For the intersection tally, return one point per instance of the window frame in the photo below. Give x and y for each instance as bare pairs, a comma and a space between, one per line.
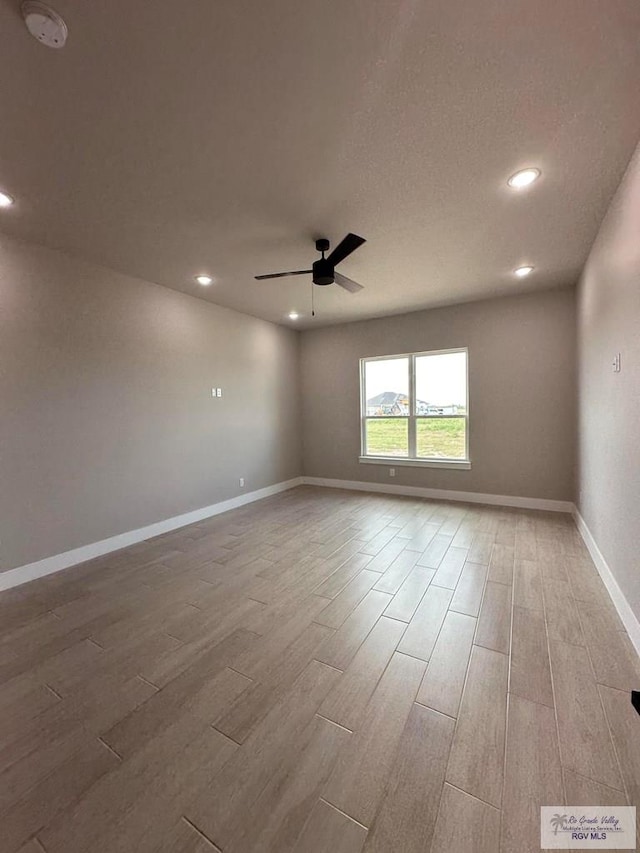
412, 459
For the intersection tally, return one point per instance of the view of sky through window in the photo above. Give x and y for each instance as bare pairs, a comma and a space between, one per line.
391, 374
441, 380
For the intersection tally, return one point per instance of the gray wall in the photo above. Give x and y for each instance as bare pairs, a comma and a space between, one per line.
522, 393
609, 403
107, 422
106, 417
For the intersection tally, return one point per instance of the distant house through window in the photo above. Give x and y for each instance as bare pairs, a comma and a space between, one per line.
414, 408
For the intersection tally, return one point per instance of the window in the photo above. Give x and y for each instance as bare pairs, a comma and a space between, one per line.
415, 409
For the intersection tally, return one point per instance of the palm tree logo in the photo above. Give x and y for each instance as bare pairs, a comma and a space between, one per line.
557, 821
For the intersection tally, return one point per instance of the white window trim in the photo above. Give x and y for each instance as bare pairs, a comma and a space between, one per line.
412, 460
395, 461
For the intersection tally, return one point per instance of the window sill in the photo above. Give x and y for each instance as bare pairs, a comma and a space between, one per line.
460, 464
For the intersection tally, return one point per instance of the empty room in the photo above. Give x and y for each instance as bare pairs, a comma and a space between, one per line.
319, 413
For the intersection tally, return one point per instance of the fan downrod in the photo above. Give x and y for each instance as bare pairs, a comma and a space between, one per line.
323, 268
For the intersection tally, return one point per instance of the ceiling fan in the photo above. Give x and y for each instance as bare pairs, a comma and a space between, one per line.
324, 269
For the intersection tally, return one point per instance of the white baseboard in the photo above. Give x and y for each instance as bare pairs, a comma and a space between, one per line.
626, 614
444, 494
58, 562
31, 571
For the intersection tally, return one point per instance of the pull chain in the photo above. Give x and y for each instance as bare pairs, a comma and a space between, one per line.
313, 310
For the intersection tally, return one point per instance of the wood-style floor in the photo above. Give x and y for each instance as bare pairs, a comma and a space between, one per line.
320, 672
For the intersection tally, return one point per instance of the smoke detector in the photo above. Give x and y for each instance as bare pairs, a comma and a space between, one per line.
44, 24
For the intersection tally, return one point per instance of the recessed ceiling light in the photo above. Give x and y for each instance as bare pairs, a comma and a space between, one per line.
293, 315
204, 279
521, 272
5, 200
523, 178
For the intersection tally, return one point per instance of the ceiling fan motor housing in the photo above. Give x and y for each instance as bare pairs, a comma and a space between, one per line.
323, 272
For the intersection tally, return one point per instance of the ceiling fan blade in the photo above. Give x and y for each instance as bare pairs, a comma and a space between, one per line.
350, 243
347, 283
283, 274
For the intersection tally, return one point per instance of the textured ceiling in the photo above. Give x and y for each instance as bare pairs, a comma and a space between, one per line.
170, 138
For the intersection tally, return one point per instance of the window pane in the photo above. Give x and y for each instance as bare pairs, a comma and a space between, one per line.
387, 437
441, 438
386, 387
441, 384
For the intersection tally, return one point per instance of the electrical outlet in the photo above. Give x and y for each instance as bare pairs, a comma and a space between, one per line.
213, 392
392, 472
218, 392
242, 482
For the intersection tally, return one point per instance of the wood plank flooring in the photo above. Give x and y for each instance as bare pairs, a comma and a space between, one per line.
319, 672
